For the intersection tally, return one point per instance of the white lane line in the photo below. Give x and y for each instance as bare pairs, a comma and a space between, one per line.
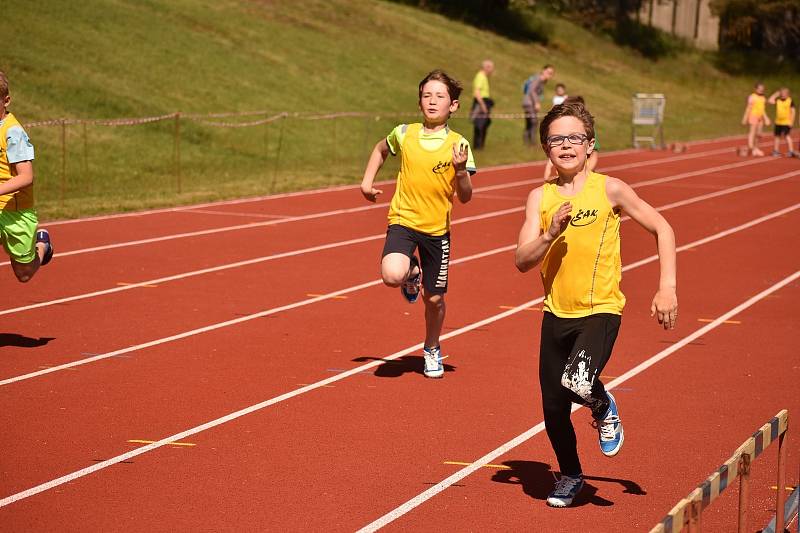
359, 240
232, 213
343, 211
538, 428
335, 294
356, 370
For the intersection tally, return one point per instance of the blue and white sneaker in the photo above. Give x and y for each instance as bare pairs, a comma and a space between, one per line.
410, 287
44, 236
567, 488
433, 362
610, 428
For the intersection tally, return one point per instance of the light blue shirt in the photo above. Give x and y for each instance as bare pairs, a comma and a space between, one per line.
19, 146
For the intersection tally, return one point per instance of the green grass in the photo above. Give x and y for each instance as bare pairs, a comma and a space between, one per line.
118, 58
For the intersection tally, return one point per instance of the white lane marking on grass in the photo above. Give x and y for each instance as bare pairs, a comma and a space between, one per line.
538, 428
359, 240
356, 370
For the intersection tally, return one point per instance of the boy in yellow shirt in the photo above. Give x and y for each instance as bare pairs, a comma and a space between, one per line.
28, 248
572, 228
436, 164
785, 114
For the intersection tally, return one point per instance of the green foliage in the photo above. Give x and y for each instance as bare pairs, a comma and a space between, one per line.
123, 58
516, 20
770, 26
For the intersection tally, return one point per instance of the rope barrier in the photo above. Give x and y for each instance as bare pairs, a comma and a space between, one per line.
203, 118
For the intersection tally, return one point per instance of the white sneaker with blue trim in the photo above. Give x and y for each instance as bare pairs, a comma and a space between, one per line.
433, 362
567, 488
610, 428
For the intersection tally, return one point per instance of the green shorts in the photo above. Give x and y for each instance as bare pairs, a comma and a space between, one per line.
18, 234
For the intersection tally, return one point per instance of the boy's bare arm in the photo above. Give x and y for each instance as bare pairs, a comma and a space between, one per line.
773, 97
463, 181
533, 244
23, 177
665, 301
376, 161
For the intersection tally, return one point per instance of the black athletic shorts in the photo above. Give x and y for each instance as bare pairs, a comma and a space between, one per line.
434, 254
782, 131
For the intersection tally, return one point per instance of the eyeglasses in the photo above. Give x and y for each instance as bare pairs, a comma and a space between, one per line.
558, 140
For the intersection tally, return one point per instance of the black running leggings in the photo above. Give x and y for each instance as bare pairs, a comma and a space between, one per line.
572, 356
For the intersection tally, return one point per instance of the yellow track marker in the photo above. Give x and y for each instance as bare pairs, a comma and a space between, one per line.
785, 488
139, 441
123, 283
609, 377
502, 467
314, 295
724, 322
514, 307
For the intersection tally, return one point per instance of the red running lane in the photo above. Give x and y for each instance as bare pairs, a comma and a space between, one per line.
422, 423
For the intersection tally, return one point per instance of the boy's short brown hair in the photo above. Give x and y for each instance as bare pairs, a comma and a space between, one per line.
3, 85
570, 108
454, 88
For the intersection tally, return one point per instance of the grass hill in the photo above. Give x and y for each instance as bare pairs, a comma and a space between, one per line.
109, 59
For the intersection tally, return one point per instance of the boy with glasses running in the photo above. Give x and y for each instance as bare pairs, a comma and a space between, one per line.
572, 227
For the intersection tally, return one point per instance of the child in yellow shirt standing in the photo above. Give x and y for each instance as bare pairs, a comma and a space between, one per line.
755, 117
785, 114
28, 248
436, 163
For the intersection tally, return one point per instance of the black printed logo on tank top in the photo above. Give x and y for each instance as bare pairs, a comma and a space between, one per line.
583, 217
441, 167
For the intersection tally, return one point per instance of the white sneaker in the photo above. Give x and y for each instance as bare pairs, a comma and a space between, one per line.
433, 362
567, 488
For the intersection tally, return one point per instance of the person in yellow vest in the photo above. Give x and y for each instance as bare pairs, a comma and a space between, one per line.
785, 114
436, 164
482, 104
27, 247
755, 118
572, 228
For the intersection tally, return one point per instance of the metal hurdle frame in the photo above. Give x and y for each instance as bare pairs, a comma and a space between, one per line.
687, 513
648, 110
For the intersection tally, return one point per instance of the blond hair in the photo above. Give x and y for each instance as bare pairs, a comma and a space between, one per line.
3, 85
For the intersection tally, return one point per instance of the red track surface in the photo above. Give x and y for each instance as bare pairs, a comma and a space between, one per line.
338, 456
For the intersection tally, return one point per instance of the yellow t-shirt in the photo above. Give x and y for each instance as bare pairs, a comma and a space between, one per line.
426, 181
14, 148
481, 84
758, 104
783, 111
582, 269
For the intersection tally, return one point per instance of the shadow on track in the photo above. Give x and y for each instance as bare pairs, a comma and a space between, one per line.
21, 341
407, 364
537, 480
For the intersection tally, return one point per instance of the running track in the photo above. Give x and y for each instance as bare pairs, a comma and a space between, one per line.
280, 383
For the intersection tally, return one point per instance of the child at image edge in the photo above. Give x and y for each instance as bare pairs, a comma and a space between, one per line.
436, 163
572, 227
28, 248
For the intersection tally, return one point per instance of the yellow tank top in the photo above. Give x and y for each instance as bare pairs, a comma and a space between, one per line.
425, 184
23, 198
582, 269
757, 105
783, 112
